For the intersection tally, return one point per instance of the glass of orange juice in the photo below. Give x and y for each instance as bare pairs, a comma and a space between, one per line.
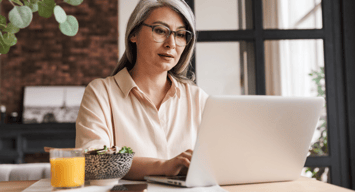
67, 168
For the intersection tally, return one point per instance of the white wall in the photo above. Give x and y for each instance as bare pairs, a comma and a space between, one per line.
125, 8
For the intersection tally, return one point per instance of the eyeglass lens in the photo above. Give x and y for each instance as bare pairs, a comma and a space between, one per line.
160, 34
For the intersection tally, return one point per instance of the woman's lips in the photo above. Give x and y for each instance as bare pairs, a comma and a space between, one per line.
166, 55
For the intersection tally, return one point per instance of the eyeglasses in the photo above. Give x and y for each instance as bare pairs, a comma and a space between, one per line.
161, 33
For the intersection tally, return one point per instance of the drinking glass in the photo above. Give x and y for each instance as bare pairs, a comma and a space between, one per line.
67, 168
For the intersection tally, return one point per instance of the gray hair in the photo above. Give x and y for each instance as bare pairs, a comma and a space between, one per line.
140, 14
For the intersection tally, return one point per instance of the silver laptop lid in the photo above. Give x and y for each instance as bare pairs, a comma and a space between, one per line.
252, 139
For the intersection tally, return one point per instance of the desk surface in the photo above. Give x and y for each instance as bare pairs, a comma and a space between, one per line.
301, 185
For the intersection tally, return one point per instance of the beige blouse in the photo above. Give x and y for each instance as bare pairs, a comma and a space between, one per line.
116, 105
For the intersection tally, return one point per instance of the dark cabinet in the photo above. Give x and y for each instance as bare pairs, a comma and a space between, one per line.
23, 143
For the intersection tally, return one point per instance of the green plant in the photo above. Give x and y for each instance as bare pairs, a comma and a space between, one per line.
126, 150
320, 147
106, 150
21, 16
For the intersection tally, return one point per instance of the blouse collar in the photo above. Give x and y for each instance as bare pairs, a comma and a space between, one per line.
126, 83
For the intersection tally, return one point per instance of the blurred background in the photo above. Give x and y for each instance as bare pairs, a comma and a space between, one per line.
244, 47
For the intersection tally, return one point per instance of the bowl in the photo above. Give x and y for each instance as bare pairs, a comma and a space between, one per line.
107, 166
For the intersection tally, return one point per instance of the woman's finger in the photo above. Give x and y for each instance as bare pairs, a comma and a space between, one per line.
184, 161
186, 155
189, 151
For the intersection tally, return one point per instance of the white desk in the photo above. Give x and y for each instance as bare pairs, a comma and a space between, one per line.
301, 185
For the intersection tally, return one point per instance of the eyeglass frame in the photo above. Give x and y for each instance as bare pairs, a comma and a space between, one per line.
170, 32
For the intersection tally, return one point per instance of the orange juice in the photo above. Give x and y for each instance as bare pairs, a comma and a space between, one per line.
67, 172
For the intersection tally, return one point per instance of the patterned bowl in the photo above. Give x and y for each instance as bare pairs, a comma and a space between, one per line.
107, 166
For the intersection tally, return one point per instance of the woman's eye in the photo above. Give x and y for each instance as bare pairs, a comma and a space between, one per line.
181, 35
159, 31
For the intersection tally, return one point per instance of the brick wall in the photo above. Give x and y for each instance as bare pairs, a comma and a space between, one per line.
44, 56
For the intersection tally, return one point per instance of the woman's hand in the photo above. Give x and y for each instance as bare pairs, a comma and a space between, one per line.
178, 164
143, 166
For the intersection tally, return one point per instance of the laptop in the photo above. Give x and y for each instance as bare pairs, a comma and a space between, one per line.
250, 139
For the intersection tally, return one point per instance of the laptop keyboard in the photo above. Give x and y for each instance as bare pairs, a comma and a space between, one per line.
180, 178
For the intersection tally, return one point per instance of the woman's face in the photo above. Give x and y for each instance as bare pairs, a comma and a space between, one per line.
153, 56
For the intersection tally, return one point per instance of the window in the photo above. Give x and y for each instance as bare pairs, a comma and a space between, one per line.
290, 51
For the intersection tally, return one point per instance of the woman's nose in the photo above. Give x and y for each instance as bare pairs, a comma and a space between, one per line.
170, 41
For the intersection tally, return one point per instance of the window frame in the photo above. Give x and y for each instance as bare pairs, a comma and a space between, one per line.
331, 34
347, 54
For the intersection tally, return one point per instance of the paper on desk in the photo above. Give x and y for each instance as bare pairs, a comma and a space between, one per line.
44, 185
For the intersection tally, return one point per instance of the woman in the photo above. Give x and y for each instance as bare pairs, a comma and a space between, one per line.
148, 103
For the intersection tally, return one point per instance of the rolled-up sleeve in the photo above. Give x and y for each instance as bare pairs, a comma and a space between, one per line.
93, 124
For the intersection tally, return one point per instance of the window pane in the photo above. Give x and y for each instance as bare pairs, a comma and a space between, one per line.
319, 173
296, 68
223, 14
225, 68
292, 14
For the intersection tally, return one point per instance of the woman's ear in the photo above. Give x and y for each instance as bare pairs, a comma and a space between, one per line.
133, 38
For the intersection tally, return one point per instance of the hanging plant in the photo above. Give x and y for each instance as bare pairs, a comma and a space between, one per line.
21, 17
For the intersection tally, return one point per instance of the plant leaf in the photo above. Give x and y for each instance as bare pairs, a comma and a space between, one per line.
32, 6
2, 22
17, 2
45, 8
3, 47
74, 2
125, 149
70, 27
11, 28
10, 39
20, 17
59, 14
